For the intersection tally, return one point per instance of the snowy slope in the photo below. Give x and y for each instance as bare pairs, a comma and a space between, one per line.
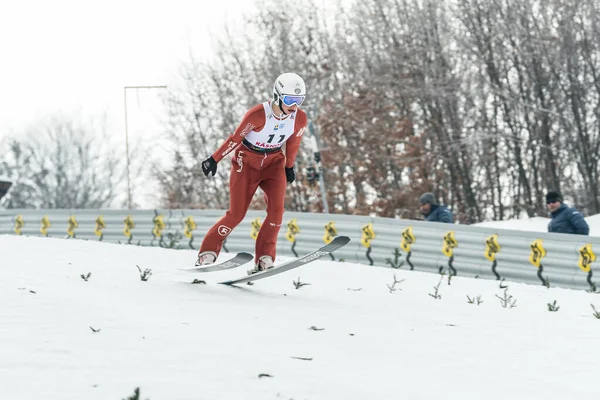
176, 340
537, 224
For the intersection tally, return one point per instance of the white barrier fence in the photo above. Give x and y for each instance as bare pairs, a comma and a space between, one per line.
530, 257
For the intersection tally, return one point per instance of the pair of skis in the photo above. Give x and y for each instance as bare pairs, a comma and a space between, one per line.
242, 258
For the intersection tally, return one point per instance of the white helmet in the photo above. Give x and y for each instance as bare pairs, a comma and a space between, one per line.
289, 89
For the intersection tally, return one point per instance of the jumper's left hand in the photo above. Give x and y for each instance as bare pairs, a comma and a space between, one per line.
209, 165
290, 175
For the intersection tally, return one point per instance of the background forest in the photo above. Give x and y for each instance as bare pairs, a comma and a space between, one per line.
489, 104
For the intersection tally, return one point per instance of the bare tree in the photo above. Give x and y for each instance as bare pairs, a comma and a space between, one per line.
487, 103
62, 164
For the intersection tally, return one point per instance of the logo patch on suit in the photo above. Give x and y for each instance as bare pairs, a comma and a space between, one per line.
224, 230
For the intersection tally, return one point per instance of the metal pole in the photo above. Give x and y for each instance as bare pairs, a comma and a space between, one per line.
127, 138
321, 170
127, 154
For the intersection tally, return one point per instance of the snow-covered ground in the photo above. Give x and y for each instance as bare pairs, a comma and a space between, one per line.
344, 336
537, 224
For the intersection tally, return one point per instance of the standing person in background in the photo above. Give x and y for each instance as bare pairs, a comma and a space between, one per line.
565, 219
432, 211
259, 161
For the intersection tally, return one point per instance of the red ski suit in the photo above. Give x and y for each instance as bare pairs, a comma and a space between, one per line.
258, 161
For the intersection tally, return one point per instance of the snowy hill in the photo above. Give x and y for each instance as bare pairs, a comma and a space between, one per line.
344, 336
537, 224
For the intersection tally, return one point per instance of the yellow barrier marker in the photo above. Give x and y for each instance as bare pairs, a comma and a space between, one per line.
586, 257
190, 226
71, 226
368, 234
129, 225
408, 238
19, 224
159, 226
330, 232
99, 226
537, 252
256, 224
492, 247
45, 225
292, 230
450, 243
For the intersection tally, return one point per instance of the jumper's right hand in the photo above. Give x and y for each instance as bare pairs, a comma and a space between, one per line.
209, 165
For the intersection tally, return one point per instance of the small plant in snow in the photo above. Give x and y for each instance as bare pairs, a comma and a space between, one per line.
298, 284
144, 276
596, 313
507, 300
592, 288
502, 285
395, 262
314, 328
436, 289
95, 330
392, 287
546, 283
85, 277
475, 300
172, 240
135, 395
199, 281
552, 307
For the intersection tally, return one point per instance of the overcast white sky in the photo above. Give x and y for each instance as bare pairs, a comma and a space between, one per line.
76, 56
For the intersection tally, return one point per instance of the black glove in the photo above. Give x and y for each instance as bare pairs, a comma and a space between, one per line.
209, 165
290, 175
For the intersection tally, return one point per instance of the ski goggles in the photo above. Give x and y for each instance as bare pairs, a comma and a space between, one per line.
289, 100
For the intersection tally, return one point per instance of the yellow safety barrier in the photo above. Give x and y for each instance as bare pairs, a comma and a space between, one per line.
408, 238
99, 226
586, 257
129, 225
450, 243
330, 232
19, 224
71, 226
368, 234
45, 225
292, 230
256, 224
159, 226
492, 247
537, 252
190, 227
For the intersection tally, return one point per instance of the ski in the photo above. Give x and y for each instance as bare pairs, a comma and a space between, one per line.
238, 260
335, 244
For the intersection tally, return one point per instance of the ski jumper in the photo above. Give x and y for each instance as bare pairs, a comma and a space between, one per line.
258, 161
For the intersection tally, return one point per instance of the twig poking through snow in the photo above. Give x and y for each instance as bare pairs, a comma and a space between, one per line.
436, 289
298, 284
144, 276
392, 287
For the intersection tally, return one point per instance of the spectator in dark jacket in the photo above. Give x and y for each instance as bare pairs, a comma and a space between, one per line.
432, 211
4, 186
565, 219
